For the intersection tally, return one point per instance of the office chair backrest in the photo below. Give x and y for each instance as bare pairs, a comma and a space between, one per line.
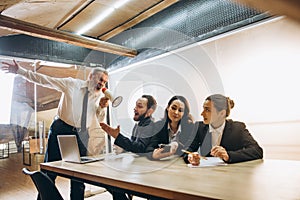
46, 188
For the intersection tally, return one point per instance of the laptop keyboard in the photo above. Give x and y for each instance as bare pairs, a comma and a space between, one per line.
85, 159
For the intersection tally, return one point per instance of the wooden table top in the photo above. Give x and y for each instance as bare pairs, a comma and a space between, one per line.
172, 179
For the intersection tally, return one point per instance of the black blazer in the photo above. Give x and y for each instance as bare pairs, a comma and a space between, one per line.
236, 139
186, 137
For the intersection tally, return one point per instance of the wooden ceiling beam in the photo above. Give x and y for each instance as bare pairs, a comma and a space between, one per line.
27, 28
148, 13
290, 8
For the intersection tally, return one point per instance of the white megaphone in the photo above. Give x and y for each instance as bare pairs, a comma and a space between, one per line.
114, 101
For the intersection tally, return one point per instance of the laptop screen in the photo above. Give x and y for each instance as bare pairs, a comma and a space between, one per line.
69, 149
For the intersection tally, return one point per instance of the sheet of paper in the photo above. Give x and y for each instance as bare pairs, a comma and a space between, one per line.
209, 162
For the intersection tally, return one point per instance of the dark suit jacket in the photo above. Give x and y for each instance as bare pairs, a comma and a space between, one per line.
236, 139
186, 137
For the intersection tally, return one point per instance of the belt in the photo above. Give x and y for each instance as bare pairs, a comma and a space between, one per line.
75, 129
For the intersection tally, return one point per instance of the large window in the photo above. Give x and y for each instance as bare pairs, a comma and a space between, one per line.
6, 88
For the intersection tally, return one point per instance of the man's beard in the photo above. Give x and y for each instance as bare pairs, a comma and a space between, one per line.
141, 117
96, 86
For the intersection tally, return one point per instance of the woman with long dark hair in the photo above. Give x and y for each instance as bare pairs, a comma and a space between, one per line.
175, 130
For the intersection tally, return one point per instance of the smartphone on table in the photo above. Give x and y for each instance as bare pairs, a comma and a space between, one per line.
166, 147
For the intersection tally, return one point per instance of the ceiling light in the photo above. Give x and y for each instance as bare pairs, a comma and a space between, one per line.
55, 64
102, 16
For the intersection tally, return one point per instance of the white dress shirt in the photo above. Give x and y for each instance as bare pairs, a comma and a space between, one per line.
216, 134
173, 137
70, 105
95, 129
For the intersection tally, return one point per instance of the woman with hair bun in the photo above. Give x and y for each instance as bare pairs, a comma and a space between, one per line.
221, 137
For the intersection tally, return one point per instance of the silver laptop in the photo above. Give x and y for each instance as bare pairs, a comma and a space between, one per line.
69, 150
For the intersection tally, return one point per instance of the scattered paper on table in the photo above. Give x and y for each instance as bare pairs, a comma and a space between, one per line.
209, 162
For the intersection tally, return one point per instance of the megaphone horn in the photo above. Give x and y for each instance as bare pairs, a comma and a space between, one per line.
114, 101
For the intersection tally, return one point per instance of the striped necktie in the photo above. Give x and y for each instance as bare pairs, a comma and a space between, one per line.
84, 110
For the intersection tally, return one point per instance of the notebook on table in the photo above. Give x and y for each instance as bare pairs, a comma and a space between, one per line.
69, 150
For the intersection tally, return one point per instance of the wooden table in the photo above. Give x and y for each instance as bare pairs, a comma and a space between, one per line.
172, 179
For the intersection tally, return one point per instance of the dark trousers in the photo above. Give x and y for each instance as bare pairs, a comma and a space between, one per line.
59, 127
117, 195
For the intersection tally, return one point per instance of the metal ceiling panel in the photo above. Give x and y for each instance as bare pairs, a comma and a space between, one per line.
181, 24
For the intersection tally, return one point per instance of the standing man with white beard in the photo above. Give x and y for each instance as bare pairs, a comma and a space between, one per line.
69, 113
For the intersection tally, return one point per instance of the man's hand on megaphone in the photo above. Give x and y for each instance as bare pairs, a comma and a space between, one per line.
114, 132
104, 101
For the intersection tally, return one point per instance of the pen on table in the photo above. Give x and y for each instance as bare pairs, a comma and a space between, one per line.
188, 152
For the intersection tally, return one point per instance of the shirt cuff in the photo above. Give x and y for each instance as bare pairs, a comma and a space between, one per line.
21, 71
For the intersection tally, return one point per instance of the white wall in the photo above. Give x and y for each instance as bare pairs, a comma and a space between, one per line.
258, 67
